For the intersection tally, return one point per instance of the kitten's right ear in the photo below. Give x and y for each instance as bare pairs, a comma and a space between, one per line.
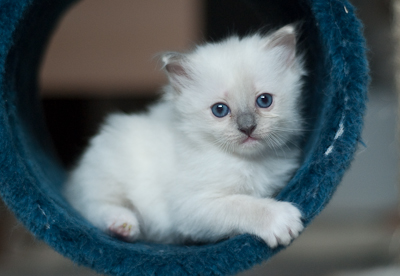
176, 67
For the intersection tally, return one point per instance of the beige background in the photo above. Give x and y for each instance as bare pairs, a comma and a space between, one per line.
101, 48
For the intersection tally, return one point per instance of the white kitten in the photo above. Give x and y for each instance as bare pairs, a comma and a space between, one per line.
203, 164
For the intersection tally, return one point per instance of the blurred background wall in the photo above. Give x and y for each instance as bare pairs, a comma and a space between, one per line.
102, 58
106, 49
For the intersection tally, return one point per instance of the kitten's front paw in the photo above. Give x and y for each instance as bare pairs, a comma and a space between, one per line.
284, 224
124, 227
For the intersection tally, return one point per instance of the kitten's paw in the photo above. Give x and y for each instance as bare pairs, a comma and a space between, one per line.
125, 227
284, 224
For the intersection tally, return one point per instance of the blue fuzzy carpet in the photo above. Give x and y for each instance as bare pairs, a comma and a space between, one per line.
31, 175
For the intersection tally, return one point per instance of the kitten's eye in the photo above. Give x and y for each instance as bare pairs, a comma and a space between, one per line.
220, 110
264, 100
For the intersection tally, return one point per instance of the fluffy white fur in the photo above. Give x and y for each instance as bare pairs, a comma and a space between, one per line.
179, 173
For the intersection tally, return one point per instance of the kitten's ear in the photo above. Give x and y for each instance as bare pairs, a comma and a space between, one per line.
284, 40
175, 65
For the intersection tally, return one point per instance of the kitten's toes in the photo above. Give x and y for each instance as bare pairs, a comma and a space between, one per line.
125, 228
285, 225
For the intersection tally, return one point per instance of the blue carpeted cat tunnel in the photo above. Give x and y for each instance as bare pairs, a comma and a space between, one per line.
31, 175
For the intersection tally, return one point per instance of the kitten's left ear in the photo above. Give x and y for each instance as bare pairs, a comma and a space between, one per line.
284, 39
176, 67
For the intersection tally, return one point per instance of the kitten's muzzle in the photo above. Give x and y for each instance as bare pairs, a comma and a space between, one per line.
246, 123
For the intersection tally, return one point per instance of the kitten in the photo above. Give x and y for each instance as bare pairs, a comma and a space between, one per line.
202, 164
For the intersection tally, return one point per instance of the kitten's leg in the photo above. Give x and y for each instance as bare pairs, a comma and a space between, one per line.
114, 219
274, 221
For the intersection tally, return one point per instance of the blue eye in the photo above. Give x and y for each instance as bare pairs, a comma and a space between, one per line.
264, 100
220, 110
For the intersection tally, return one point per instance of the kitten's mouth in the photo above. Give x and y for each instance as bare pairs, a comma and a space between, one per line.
250, 140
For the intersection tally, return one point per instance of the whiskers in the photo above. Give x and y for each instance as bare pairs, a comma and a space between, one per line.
282, 139
277, 140
225, 144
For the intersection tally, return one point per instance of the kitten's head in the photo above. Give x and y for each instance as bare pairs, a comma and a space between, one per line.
241, 95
